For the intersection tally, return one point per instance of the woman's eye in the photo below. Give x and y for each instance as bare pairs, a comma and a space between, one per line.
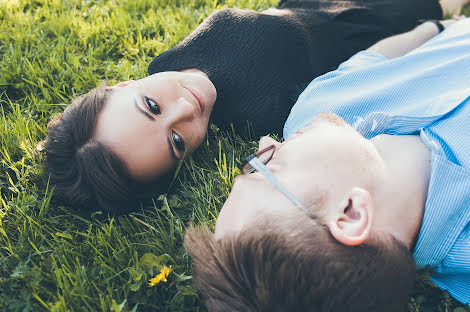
179, 143
154, 108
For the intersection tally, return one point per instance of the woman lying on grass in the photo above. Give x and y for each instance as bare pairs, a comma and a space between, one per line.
115, 145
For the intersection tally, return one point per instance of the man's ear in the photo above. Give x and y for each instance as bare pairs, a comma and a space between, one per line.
120, 84
353, 222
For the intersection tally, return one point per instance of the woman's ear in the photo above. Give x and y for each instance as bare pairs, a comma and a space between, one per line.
120, 84
352, 224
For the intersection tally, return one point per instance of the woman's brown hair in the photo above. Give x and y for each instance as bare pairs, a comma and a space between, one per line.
86, 173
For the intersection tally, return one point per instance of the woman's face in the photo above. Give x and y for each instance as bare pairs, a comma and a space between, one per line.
151, 122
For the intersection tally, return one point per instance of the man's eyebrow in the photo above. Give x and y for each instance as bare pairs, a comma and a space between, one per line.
142, 111
172, 150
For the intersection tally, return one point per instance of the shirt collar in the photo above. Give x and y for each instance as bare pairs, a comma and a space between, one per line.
446, 212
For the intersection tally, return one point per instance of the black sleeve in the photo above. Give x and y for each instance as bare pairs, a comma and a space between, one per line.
261, 62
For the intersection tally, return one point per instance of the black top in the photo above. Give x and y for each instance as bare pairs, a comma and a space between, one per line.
260, 62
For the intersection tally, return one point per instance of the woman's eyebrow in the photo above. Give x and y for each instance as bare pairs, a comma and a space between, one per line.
142, 111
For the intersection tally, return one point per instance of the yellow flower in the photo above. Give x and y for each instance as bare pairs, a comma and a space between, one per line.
161, 277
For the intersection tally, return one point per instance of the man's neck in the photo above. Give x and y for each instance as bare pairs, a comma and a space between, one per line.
403, 198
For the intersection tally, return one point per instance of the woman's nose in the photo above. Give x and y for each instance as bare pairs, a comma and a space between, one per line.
181, 110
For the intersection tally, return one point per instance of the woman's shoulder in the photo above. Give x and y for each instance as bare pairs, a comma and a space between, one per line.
249, 19
236, 36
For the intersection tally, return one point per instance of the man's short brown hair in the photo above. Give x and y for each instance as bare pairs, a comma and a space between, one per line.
296, 265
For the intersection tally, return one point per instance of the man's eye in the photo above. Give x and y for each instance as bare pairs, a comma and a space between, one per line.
154, 108
179, 143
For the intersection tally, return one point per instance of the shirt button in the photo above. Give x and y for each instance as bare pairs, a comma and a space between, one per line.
374, 125
435, 145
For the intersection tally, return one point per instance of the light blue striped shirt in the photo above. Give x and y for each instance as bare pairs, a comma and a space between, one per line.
426, 92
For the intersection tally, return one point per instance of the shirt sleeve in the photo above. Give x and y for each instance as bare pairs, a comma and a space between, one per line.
361, 60
322, 87
358, 61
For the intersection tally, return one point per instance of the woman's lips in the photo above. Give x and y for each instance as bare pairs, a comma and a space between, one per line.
198, 97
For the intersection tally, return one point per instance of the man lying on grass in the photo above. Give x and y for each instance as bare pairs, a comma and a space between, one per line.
331, 219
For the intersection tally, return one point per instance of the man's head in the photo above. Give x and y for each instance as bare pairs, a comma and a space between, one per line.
341, 256
328, 167
115, 145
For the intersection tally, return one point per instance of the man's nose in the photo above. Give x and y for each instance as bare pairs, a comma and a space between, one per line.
180, 111
267, 141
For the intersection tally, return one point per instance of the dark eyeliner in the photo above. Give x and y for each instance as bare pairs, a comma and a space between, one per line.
152, 105
180, 146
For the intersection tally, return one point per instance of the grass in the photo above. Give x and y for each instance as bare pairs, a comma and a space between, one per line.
53, 258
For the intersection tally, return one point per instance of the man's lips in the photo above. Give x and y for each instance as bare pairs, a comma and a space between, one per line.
198, 97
